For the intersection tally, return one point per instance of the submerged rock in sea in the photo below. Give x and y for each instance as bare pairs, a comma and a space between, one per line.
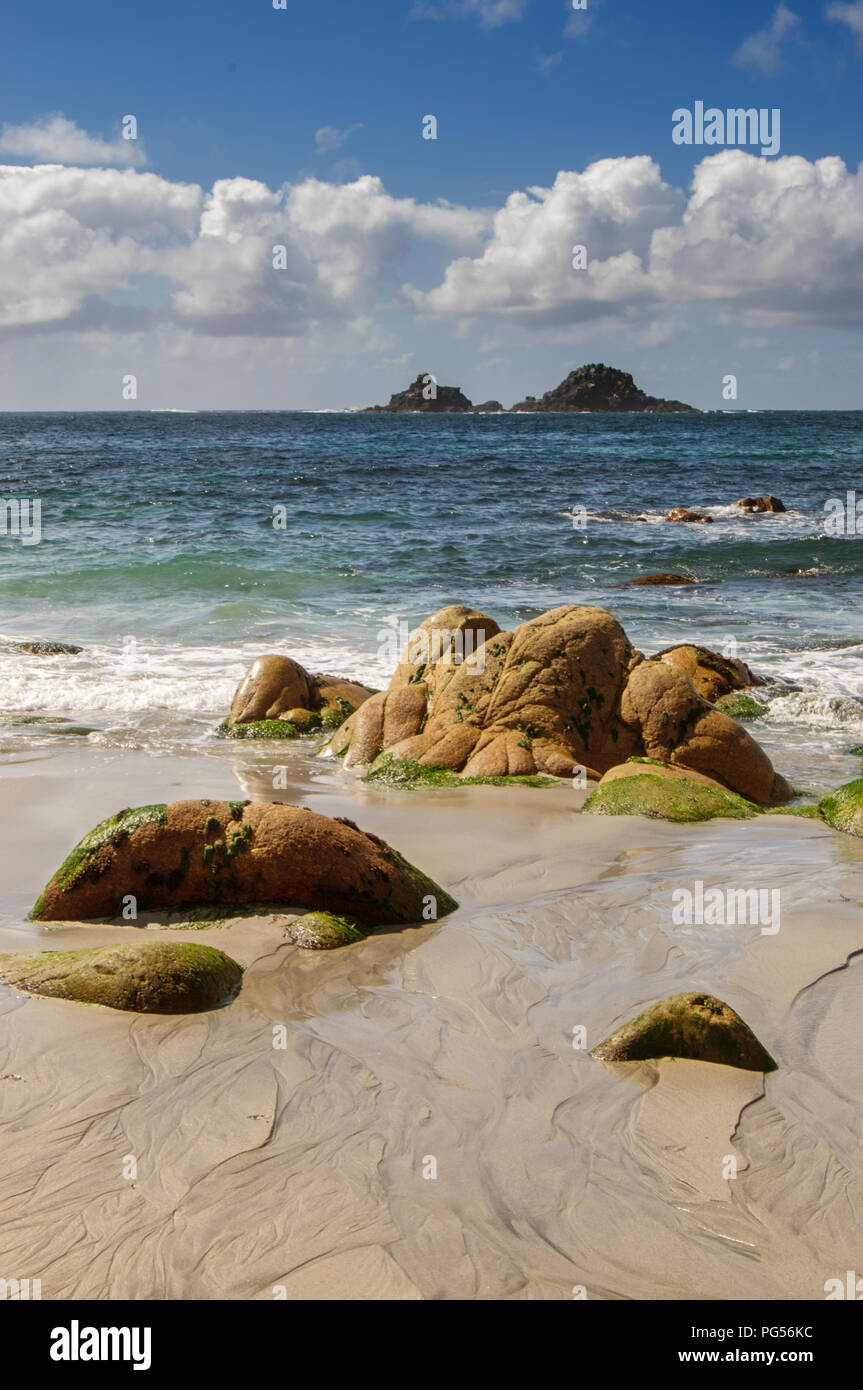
698, 1026
684, 514
643, 787
657, 579
566, 691
760, 504
323, 931
148, 978
278, 698
488, 408
191, 853
43, 648
843, 809
712, 674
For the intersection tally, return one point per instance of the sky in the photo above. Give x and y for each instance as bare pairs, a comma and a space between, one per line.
235, 204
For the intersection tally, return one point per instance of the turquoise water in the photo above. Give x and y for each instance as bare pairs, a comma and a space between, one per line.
159, 554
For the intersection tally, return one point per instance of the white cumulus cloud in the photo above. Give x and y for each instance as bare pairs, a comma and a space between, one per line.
56, 140
780, 238
525, 269
758, 240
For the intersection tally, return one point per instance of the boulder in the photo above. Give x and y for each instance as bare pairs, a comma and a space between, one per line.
684, 514
760, 504
664, 793
712, 674
194, 853
657, 579
678, 726
698, 1026
148, 978
643, 767
843, 809
322, 931
598, 387
564, 691
278, 698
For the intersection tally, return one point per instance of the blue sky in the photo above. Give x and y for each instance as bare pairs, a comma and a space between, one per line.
317, 96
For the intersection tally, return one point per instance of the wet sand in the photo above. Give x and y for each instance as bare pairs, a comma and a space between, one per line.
304, 1171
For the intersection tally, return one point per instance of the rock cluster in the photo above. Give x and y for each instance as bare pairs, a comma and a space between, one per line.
565, 691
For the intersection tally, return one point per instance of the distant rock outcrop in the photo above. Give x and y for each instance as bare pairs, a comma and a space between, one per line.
594, 387
597, 387
425, 394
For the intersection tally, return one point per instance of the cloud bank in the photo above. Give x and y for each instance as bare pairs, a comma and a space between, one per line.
780, 240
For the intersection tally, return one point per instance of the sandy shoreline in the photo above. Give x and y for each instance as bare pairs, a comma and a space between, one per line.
300, 1169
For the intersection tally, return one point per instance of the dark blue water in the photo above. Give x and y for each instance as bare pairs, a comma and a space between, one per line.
159, 554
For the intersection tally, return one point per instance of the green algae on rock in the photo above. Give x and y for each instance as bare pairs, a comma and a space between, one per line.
404, 772
323, 931
843, 809
192, 853
147, 978
740, 706
108, 832
645, 794
697, 1025
271, 728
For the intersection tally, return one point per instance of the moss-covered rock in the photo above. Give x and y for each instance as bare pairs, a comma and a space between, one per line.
191, 853
698, 1026
323, 931
843, 809
740, 706
678, 725
405, 772
44, 648
279, 698
150, 978
270, 728
661, 798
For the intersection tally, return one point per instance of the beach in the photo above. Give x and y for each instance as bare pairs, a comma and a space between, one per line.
417, 1116
298, 1172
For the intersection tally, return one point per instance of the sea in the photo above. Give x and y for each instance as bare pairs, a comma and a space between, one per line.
175, 547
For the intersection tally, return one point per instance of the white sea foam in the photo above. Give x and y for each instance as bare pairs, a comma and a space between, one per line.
179, 679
